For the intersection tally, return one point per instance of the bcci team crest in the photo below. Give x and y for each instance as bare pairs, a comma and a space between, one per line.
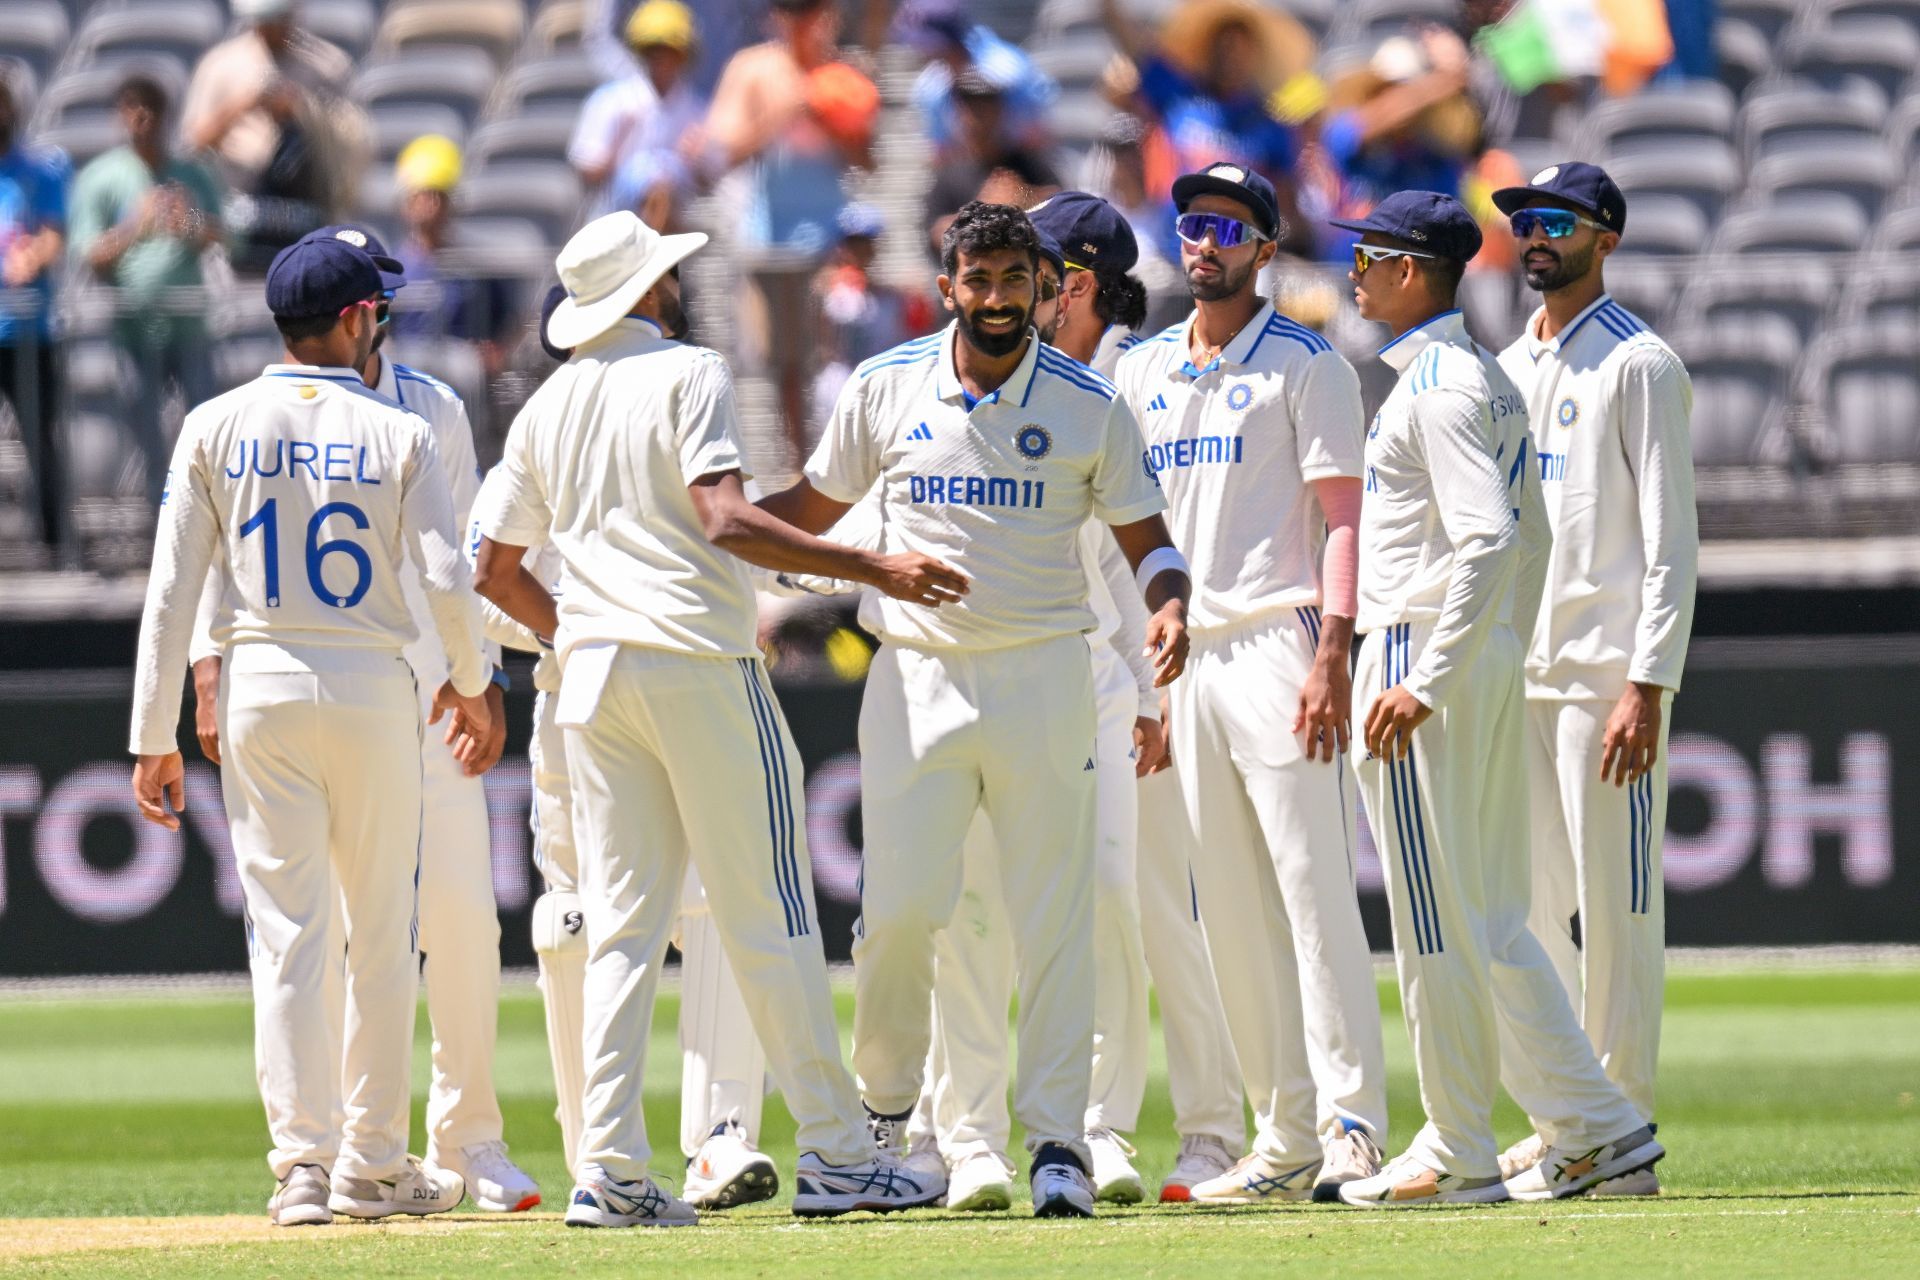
1240, 396
1568, 413
1033, 442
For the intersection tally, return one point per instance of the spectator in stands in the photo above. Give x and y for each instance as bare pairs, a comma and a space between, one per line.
987, 166
448, 293
140, 219
272, 104
863, 317
1403, 122
954, 43
1116, 171
33, 222
1205, 80
627, 141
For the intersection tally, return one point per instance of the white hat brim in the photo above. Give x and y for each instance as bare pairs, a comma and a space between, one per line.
573, 323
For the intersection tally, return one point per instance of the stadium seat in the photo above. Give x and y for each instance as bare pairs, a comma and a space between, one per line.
1076, 60
1663, 226
86, 96
1884, 293
35, 32
83, 138
1882, 53
556, 28
1860, 170
1903, 132
459, 79
1802, 117
1842, 12
1744, 53
1658, 119
1492, 305
1863, 382
534, 137
549, 86
1741, 375
1643, 286
1705, 174
1375, 20
1721, 296
349, 24
1811, 224
545, 192
493, 27
103, 459
1899, 231
95, 368
183, 28
1769, 17
395, 124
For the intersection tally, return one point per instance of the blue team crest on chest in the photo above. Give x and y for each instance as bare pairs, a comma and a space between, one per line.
1033, 442
1568, 413
1239, 396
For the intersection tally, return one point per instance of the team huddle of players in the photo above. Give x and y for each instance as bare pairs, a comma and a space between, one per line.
1111, 737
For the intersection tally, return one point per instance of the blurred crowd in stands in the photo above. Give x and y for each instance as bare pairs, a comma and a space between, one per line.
764, 122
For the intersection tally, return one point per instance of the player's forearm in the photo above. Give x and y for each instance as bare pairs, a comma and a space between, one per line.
521, 597
1483, 570
1672, 550
181, 557
758, 536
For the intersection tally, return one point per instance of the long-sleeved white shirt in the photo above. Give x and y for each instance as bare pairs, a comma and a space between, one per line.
316, 489
1452, 527
1610, 403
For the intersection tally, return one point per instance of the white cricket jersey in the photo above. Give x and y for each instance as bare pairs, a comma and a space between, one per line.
1236, 446
598, 463
1609, 404
316, 489
998, 490
1452, 529
542, 561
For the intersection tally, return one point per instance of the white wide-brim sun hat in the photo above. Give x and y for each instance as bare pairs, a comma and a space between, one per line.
606, 267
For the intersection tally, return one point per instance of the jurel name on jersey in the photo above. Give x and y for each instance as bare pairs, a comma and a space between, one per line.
331, 462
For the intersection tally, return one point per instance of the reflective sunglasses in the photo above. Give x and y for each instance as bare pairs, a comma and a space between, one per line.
383, 310
364, 302
1227, 233
1365, 255
1557, 223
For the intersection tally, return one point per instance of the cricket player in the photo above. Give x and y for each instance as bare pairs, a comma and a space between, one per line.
1253, 424
964, 1101
1453, 554
314, 488
1609, 403
991, 449
628, 461
459, 922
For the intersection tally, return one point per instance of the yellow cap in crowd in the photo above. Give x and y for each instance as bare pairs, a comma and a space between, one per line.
428, 163
665, 22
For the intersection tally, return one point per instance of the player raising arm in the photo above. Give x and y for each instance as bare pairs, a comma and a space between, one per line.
315, 488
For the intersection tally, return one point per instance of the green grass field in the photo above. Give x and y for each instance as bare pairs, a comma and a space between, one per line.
131, 1144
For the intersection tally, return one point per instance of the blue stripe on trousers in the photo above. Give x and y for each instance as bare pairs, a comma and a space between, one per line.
795, 924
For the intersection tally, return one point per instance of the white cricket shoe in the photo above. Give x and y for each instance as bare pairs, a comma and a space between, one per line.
1115, 1180
1202, 1157
1641, 1182
301, 1199
1563, 1171
1521, 1156
495, 1182
880, 1185
418, 1189
1061, 1190
1408, 1183
981, 1183
1254, 1179
728, 1171
1349, 1158
927, 1166
602, 1200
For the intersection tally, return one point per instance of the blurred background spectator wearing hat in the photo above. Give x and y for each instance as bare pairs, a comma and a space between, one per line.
986, 164
140, 219
449, 294
271, 104
626, 144
954, 44
861, 316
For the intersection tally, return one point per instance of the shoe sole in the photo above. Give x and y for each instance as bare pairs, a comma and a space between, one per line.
1495, 1194
820, 1209
1123, 1192
1174, 1193
750, 1186
361, 1211
1060, 1207
1329, 1192
621, 1222
1644, 1156
500, 1206
991, 1199
1602, 1191
308, 1215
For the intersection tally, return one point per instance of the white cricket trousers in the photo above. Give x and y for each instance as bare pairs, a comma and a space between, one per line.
1450, 821
1274, 871
964, 1101
943, 733
321, 781
689, 757
460, 934
1596, 851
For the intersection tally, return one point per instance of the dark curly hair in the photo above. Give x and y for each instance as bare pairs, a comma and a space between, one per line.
1121, 300
980, 227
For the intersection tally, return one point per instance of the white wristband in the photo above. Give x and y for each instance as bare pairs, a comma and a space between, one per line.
1157, 562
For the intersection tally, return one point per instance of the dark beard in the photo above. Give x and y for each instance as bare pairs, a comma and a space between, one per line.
994, 345
1562, 273
1228, 285
673, 317
1047, 334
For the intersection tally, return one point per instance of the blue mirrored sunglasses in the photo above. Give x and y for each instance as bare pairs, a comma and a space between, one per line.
1557, 223
1227, 233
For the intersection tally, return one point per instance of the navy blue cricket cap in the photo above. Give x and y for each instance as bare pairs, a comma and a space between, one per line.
320, 277
1091, 232
1428, 220
393, 275
1050, 250
1235, 182
1584, 186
